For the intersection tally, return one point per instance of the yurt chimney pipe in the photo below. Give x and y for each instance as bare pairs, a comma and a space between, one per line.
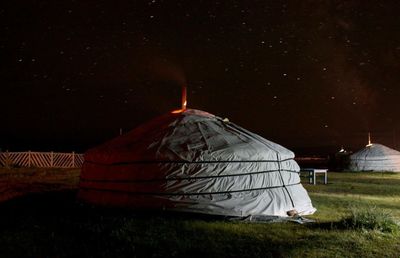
184, 101
184, 97
369, 140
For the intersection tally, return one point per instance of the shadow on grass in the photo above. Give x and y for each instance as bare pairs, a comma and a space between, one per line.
376, 222
336, 225
54, 224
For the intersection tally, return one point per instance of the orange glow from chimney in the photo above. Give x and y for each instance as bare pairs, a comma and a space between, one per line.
184, 101
184, 97
177, 111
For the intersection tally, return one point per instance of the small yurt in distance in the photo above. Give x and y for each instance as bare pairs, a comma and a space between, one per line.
375, 157
190, 160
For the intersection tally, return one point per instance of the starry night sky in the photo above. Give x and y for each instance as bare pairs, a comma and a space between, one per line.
305, 74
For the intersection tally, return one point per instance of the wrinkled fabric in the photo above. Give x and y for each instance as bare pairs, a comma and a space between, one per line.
197, 162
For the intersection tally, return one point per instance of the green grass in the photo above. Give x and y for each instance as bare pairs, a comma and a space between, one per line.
23, 181
46, 221
371, 218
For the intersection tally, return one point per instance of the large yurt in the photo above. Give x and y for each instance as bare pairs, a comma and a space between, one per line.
193, 161
375, 157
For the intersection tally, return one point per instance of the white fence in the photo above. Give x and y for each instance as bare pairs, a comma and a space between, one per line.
41, 159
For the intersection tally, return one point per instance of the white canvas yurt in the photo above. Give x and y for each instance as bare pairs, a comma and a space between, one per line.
193, 161
375, 157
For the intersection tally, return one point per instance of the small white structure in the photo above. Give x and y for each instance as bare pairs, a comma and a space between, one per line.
375, 157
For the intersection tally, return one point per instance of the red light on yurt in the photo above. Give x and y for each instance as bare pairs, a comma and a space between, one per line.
177, 111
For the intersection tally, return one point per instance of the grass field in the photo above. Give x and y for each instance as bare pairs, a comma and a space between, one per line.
39, 217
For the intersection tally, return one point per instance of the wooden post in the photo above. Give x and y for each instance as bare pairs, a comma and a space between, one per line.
73, 159
7, 161
52, 159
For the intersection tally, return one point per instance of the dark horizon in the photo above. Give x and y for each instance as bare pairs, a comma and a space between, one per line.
311, 76
70, 143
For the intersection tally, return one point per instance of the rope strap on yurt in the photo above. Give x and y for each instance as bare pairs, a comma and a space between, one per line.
185, 178
183, 194
283, 182
258, 138
182, 162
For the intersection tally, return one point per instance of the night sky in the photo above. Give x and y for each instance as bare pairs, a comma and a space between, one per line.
306, 74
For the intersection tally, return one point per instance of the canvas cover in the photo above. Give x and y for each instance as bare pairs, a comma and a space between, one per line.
197, 162
375, 157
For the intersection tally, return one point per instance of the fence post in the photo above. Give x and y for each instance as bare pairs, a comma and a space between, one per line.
73, 159
51, 159
7, 162
29, 158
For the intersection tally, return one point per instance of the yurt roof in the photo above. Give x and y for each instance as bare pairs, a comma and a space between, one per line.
191, 135
190, 160
376, 151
